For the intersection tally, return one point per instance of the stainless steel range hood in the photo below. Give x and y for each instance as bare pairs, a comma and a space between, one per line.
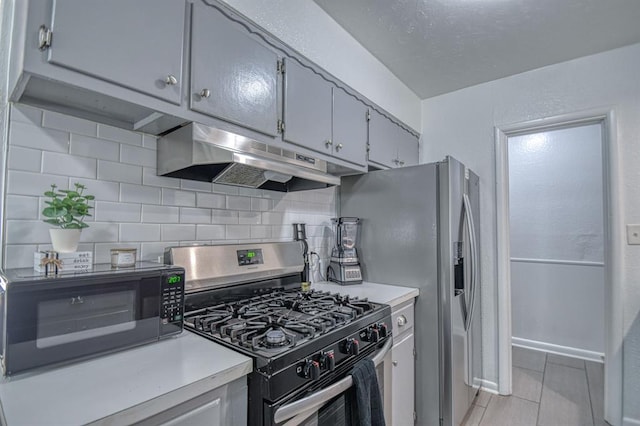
203, 153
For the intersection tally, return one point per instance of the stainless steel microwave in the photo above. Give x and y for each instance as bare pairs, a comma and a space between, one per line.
69, 316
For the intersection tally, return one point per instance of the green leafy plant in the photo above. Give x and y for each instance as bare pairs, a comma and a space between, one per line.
67, 208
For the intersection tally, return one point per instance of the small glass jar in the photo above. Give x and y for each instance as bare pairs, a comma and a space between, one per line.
123, 257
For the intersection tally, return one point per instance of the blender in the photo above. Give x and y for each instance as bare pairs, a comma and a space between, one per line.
344, 267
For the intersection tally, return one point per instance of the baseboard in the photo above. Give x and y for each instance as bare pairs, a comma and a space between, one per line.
557, 349
627, 421
491, 387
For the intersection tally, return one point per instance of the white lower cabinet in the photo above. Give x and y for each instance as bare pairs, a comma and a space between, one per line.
403, 367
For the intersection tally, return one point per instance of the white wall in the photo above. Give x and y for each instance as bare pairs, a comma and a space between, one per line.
303, 25
134, 207
462, 124
556, 223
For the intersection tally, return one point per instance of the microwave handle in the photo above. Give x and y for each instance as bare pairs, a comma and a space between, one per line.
309, 404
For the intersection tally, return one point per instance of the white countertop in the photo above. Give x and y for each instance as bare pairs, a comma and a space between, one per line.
381, 293
134, 383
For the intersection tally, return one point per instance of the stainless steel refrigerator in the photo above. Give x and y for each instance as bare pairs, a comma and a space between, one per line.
420, 228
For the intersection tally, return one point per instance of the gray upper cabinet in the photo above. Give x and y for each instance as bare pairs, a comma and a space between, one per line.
307, 108
137, 44
323, 117
233, 76
389, 144
407, 148
349, 127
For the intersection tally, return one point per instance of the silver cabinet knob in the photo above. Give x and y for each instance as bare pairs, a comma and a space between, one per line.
395, 363
401, 162
205, 93
396, 161
328, 143
338, 147
402, 321
171, 80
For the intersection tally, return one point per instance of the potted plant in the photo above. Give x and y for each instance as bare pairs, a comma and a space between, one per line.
66, 209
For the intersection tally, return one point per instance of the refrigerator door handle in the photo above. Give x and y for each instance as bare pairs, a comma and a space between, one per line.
474, 257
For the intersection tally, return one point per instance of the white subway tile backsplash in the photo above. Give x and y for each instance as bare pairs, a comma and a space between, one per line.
193, 215
27, 232
100, 233
172, 197
195, 185
151, 178
26, 159
160, 214
119, 135
139, 232
68, 165
210, 232
178, 232
239, 232
238, 203
29, 183
134, 207
87, 146
21, 207
272, 218
106, 211
29, 136
139, 194
260, 231
151, 251
150, 141
138, 156
26, 114
103, 251
260, 204
54, 120
224, 217
117, 172
102, 190
19, 255
249, 218
214, 201
226, 189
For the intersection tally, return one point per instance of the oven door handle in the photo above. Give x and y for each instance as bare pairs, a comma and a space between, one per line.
309, 403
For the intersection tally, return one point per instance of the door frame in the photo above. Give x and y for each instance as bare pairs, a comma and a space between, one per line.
613, 246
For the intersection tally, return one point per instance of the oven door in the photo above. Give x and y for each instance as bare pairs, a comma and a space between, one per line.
75, 317
329, 406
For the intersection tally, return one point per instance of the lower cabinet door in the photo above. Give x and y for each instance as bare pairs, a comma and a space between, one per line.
402, 382
207, 414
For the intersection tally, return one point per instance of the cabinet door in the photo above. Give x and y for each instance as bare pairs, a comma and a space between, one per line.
349, 127
137, 44
233, 76
207, 414
402, 382
383, 140
407, 148
307, 108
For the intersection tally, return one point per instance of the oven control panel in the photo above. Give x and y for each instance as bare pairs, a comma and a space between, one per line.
250, 257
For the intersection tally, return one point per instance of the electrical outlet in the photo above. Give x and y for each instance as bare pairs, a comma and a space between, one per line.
633, 234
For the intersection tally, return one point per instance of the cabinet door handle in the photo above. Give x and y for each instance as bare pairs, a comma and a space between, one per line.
401, 162
395, 363
338, 147
205, 93
396, 161
171, 80
328, 143
402, 321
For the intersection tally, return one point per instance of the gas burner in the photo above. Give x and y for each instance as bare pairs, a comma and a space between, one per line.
275, 337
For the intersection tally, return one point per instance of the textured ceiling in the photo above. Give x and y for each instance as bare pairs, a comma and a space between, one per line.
437, 46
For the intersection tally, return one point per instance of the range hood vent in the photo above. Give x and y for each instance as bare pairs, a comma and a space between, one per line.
203, 153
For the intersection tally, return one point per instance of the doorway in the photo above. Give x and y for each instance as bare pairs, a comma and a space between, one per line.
530, 258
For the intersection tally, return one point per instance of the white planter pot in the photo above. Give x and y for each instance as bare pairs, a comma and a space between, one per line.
65, 240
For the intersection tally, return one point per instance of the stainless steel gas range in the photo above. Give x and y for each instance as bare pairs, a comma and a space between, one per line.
303, 343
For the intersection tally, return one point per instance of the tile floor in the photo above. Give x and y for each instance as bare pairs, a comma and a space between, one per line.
548, 390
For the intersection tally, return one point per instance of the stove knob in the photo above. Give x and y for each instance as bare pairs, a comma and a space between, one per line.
327, 361
352, 347
382, 329
373, 335
311, 370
